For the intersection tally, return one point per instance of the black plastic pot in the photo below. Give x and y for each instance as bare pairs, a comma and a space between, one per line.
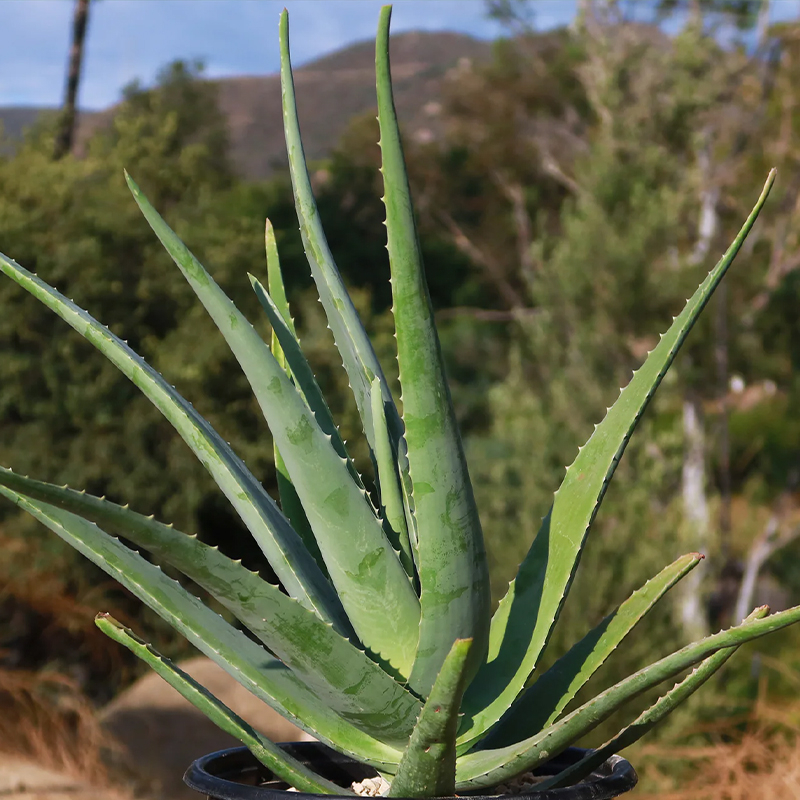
235, 774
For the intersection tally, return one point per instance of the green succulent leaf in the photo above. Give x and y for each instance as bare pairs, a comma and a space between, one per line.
358, 356
350, 682
428, 767
277, 290
454, 580
244, 660
540, 704
483, 768
241, 591
294, 511
647, 720
290, 502
522, 623
389, 482
369, 578
281, 764
291, 562
301, 372
352, 341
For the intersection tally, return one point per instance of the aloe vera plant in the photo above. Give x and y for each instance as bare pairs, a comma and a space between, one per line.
380, 640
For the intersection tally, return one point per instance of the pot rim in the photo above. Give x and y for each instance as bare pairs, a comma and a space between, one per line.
213, 775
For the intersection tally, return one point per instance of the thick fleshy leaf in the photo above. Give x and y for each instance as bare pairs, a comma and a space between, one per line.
290, 502
294, 511
290, 560
428, 768
540, 704
454, 580
241, 591
281, 764
301, 372
369, 578
352, 341
358, 356
389, 482
522, 623
483, 768
328, 664
247, 662
277, 290
647, 720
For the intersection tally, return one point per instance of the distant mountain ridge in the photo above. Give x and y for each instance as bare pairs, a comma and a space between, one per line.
331, 91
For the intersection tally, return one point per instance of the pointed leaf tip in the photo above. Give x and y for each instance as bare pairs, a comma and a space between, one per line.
648, 719
428, 766
545, 575
542, 702
454, 581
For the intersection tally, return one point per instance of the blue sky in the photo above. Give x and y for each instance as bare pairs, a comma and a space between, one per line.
130, 39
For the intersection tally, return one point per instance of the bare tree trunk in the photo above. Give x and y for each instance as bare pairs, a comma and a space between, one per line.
515, 194
707, 231
66, 128
759, 552
724, 439
691, 604
709, 200
762, 24
693, 611
775, 535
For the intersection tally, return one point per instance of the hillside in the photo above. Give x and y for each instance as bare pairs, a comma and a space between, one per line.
330, 92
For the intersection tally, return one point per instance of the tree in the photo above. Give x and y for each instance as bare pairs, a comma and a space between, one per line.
665, 156
68, 413
66, 125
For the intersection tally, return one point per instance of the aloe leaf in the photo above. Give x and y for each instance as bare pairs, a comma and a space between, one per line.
482, 768
277, 290
389, 482
290, 502
244, 660
428, 767
358, 355
236, 587
647, 720
454, 580
328, 664
281, 764
525, 616
540, 704
301, 372
291, 562
369, 578
293, 509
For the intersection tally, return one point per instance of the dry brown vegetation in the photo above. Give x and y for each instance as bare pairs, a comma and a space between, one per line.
47, 611
757, 756
48, 721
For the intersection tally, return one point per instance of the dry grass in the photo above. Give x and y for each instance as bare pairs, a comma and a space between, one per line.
47, 721
748, 758
47, 620
745, 770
